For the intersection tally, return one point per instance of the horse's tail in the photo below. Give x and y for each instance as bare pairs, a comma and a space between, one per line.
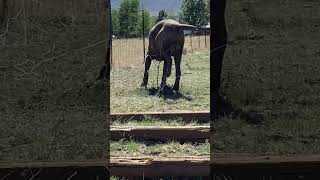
186, 27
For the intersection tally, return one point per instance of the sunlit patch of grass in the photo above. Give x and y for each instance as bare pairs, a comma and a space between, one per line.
133, 148
128, 96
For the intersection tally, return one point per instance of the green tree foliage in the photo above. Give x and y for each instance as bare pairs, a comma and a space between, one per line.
153, 20
147, 23
127, 21
194, 12
208, 10
128, 18
115, 22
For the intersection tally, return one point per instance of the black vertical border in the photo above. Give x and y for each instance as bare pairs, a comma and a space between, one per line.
218, 41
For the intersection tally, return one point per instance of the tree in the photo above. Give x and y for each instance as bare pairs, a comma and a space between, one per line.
153, 21
162, 15
128, 18
208, 10
115, 22
194, 12
147, 23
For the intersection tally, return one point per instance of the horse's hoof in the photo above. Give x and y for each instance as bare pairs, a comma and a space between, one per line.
143, 85
168, 74
165, 90
175, 88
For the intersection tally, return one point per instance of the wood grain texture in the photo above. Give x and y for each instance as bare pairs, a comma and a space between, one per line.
150, 167
194, 133
187, 116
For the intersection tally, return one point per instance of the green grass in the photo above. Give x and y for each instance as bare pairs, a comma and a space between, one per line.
128, 96
156, 122
276, 75
132, 148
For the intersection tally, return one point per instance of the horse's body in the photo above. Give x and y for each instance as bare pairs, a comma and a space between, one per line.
166, 40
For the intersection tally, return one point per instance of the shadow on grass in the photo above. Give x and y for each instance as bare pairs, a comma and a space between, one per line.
225, 108
167, 93
151, 142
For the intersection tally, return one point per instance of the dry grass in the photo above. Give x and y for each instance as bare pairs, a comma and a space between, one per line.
194, 93
127, 72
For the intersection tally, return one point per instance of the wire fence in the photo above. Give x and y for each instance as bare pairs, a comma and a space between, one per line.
129, 52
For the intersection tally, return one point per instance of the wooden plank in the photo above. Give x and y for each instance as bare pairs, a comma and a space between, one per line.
52, 164
194, 133
119, 166
199, 116
53, 170
265, 165
151, 167
236, 165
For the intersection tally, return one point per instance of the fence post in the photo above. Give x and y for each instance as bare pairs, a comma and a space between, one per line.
144, 49
198, 41
191, 43
205, 36
110, 34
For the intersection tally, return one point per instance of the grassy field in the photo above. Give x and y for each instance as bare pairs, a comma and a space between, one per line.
51, 107
134, 148
141, 148
272, 66
128, 96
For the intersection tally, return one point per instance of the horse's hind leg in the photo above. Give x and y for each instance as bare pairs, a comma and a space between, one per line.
177, 63
169, 67
166, 66
146, 71
164, 74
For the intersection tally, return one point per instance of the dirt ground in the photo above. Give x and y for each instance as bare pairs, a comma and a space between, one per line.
51, 106
272, 67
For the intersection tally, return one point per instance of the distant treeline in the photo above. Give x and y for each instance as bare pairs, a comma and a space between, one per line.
127, 20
